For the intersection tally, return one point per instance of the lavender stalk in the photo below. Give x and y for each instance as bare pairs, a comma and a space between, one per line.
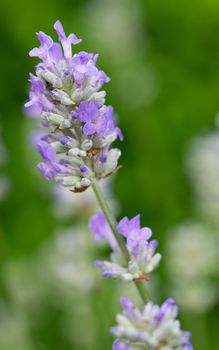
77, 153
112, 223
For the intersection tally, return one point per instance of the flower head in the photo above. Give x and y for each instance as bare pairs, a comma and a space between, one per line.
133, 232
89, 114
143, 259
65, 94
155, 327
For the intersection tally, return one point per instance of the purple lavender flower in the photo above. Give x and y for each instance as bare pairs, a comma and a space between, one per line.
38, 99
90, 115
117, 345
46, 43
84, 66
134, 234
48, 167
66, 41
65, 93
101, 230
143, 259
155, 327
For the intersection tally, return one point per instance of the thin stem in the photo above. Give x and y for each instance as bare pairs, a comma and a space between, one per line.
112, 223
110, 219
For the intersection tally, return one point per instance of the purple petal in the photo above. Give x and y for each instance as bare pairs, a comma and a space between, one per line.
59, 29
89, 129
56, 53
122, 226
45, 40
74, 39
47, 152
126, 304
117, 345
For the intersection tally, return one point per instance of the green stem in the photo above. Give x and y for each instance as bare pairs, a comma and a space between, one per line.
112, 223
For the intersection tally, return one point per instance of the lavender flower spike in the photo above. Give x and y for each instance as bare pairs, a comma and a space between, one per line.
155, 327
80, 128
142, 260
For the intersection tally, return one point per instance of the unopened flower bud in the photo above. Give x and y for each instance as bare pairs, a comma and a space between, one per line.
77, 152
49, 77
69, 181
62, 97
86, 144
53, 118
66, 124
85, 182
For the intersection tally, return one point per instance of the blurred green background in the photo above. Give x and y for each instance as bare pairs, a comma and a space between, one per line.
163, 58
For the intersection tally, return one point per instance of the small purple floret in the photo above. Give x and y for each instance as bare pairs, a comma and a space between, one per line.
101, 230
103, 158
117, 345
107, 274
126, 304
83, 168
66, 41
64, 140
48, 167
134, 234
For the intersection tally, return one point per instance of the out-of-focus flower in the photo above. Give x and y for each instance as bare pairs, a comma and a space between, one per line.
13, 329
203, 169
54, 278
192, 264
67, 206
142, 258
48, 167
65, 92
101, 230
62, 255
132, 231
155, 327
123, 42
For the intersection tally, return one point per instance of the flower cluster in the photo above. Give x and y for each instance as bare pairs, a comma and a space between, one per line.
153, 328
141, 252
66, 94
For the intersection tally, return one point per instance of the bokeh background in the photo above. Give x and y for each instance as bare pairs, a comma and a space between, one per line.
163, 58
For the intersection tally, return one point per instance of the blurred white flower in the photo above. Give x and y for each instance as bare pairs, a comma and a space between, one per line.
123, 42
122, 28
197, 296
61, 258
67, 205
59, 276
13, 330
192, 263
203, 169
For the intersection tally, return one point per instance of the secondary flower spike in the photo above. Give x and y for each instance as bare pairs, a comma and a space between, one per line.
153, 328
66, 95
143, 259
